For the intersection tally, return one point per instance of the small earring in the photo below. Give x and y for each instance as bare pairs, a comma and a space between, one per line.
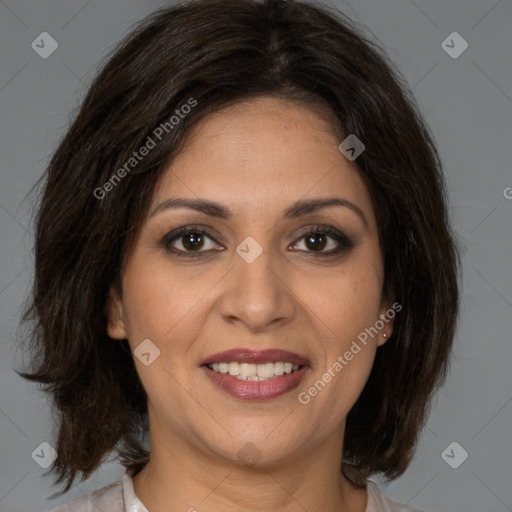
384, 335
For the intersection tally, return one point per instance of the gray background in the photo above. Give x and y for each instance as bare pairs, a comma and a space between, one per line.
468, 103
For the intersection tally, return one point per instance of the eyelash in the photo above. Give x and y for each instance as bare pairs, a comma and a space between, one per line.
345, 243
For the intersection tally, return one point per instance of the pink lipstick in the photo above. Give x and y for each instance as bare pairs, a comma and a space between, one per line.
256, 375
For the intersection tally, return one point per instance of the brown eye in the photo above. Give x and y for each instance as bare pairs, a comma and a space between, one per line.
192, 241
187, 241
324, 241
316, 242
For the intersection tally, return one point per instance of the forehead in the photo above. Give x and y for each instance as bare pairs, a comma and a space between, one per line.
259, 154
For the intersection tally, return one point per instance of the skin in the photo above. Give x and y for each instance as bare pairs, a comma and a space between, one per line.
256, 158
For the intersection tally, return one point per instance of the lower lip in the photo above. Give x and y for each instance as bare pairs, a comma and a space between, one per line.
256, 390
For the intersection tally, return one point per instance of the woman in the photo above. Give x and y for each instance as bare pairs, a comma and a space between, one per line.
243, 261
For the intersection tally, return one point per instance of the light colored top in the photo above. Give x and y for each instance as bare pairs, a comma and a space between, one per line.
120, 497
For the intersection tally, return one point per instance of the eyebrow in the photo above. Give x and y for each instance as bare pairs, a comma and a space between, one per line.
296, 210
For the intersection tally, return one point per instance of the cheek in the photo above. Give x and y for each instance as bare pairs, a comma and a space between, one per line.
336, 383
344, 308
157, 301
345, 302
165, 310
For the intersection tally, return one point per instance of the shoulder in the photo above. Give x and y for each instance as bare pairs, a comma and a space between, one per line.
378, 502
108, 498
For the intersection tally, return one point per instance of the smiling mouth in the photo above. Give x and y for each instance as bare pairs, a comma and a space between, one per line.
254, 372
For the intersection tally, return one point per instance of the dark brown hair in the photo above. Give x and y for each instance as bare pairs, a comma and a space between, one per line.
219, 53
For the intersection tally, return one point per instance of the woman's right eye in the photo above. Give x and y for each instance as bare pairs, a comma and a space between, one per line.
187, 241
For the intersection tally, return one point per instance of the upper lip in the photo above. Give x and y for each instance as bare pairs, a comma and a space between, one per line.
243, 355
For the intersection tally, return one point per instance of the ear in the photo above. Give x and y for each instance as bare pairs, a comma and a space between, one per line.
115, 319
387, 315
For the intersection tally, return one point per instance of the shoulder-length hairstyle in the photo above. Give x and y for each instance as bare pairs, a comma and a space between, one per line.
211, 54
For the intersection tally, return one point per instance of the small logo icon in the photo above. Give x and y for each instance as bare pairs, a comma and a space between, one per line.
249, 249
351, 147
454, 455
507, 193
44, 45
248, 454
454, 45
146, 352
44, 455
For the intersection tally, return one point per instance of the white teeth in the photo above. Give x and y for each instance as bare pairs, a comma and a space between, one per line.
234, 369
254, 372
247, 370
266, 370
279, 368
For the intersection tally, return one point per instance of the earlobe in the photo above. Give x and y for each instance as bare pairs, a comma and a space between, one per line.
382, 339
115, 320
387, 320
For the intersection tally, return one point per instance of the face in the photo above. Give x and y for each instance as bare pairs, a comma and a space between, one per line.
293, 292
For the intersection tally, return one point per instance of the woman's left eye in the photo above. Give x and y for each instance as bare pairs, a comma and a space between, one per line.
191, 242
316, 240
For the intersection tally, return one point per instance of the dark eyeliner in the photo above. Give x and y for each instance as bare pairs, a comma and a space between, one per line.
180, 232
344, 242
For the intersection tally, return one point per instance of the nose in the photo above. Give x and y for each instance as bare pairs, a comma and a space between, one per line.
256, 294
